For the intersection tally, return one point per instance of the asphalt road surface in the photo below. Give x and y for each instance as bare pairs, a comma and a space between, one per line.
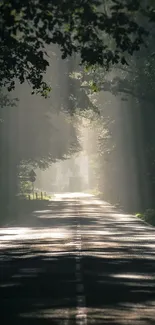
78, 261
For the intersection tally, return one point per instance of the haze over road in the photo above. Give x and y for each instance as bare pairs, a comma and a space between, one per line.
78, 261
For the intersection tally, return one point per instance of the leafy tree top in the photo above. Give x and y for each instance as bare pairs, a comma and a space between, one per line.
82, 27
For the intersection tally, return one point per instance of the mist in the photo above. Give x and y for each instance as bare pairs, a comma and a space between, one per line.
76, 140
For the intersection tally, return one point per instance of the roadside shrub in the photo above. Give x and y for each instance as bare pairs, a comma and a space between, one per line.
148, 216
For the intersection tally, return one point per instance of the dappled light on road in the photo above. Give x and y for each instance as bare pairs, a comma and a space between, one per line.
85, 263
32, 237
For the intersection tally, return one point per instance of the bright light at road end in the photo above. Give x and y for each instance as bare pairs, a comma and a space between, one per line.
71, 195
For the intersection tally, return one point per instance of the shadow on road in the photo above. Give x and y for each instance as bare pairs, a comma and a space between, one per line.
37, 290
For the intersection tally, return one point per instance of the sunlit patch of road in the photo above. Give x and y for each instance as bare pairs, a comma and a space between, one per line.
35, 241
20, 233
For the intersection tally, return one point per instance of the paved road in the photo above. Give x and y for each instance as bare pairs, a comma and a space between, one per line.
78, 262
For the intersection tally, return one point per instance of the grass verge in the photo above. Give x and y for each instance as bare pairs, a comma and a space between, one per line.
148, 216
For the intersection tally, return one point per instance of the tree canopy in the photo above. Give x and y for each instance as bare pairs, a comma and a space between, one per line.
98, 33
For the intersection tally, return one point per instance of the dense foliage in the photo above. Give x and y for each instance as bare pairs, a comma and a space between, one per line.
100, 32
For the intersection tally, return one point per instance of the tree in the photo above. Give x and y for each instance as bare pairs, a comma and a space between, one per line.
134, 84
30, 136
80, 27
